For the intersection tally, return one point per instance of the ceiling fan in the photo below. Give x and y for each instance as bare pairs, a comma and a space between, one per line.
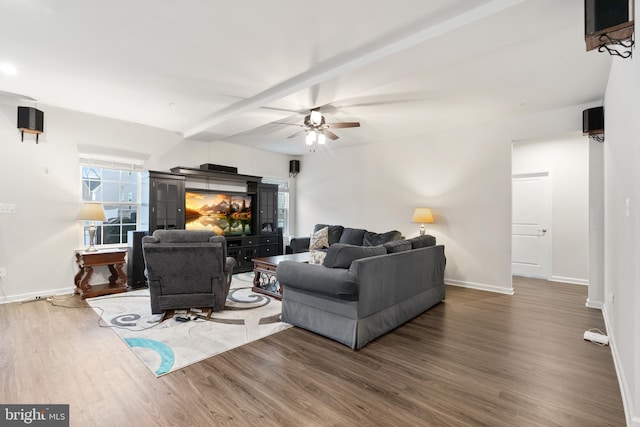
317, 129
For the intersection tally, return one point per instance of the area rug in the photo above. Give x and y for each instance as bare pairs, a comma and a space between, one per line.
171, 345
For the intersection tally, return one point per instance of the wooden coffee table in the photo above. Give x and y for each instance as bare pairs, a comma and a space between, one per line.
264, 269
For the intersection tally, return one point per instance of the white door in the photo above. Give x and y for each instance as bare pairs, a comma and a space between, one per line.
531, 225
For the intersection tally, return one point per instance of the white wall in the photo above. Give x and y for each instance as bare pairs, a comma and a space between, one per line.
464, 175
37, 243
622, 226
566, 158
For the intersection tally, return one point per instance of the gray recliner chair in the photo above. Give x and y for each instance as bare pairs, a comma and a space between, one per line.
187, 269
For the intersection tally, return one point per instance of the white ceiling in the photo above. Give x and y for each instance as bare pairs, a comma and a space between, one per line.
227, 69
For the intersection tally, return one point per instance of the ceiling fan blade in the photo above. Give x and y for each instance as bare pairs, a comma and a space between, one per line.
345, 125
296, 134
283, 123
332, 136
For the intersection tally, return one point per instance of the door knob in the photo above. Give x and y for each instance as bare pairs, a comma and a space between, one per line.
543, 230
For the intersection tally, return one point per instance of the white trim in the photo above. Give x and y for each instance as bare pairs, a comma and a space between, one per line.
111, 164
594, 304
627, 402
572, 280
480, 286
36, 295
111, 158
531, 174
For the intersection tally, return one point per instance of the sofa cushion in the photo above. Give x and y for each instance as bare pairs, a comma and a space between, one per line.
319, 239
335, 283
352, 236
335, 231
375, 239
341, 255
422, 241
397, 246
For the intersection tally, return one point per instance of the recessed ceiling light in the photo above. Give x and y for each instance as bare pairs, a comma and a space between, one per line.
8, 69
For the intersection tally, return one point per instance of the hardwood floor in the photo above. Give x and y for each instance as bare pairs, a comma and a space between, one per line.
477, 359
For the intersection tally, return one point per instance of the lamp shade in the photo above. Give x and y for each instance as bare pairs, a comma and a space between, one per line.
423, 215
91, 211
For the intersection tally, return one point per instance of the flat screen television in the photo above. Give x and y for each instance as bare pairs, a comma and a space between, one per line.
224, 213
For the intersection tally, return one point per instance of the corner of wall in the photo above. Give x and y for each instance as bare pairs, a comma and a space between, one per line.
627, 401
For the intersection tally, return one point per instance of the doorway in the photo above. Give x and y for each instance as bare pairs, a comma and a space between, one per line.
550, 191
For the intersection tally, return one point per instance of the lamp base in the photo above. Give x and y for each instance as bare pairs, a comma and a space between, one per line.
92, 238
422, 230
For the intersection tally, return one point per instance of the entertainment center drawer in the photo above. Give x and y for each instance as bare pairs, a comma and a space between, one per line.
236, 242
269, 240
268, 250
250, 241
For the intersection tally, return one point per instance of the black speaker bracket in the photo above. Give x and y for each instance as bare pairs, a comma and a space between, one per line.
609, 44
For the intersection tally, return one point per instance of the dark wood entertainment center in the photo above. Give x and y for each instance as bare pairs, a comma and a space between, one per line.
163, 208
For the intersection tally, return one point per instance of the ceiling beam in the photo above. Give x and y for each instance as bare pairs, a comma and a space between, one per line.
348, 61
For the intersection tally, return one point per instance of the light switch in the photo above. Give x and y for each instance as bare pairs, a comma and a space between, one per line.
7, 208
627, 207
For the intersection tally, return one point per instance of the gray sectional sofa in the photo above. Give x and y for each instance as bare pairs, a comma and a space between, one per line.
363, 292
340, 234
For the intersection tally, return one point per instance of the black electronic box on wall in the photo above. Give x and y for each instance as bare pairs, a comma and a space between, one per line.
602, 14
593, 121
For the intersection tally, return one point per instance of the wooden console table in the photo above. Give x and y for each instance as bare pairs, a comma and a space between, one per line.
113, 259
265, 280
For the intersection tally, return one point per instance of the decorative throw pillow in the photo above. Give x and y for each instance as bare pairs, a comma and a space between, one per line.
375, 239
317, 257
319, 239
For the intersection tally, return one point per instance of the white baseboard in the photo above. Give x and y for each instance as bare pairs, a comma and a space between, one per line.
480, 286
595, 304
36, 295
572, 280
627, 402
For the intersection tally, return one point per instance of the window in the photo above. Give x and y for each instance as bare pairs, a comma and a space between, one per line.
283, 203
118, 190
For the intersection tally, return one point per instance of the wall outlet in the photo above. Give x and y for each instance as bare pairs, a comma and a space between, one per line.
610, 297
3, 273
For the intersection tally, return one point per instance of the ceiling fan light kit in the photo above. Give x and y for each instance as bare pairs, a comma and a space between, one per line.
317, 129
314, 137
316, 118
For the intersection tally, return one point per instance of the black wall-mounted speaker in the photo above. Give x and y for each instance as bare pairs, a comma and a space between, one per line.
593, 121
602, 14
30, 119
294, 167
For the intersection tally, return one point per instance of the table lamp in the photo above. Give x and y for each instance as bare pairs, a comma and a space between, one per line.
423, 216
92, 211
